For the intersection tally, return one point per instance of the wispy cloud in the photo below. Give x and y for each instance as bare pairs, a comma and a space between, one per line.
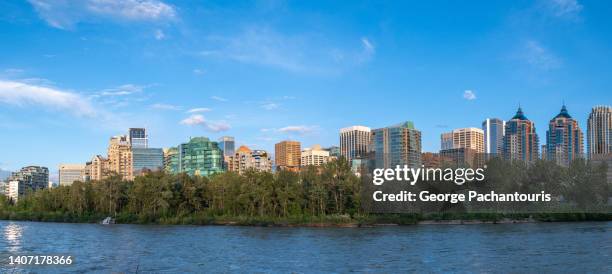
162, 106
540, 57
270, 106
123, 90
159, 34
64, 14
220, 99
198, 71
300, 129
469, 95
212, 126
368, 50
24, 94
564, 8
198, 110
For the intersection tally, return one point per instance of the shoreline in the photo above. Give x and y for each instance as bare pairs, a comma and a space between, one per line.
340, 221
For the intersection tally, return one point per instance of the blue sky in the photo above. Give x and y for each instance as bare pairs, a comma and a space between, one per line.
72, 75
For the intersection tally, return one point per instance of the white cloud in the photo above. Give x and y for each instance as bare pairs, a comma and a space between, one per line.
159, 34
64, 14
24, 94
199, 71
123, 90
165, 106
217, 98
270, 106
212, 126
368, 50
197, 110
301, 129
564, 8
538, 56
469, 95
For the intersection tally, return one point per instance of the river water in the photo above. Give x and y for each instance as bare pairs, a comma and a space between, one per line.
516, 248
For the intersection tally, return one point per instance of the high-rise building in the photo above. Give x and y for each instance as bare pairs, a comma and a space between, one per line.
147, 159
69, 173
334, 152
98, 168
314, 156
563, 139
30, 178
470, 138
354, 142
227, 144
170, 159
494, 130
287, 155
138, 138
246, 159
120, 159
200, 156
599, 131
521, 140
397, 145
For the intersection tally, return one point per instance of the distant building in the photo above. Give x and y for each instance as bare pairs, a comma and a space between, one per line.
227, 144
521, 140
314, 156
200, 156
69, 173
97, 168
563, 139
354, 142
34, 177
334, 152
120, 159
599, 131
138, 137
472, 138
29, 178
147, 159
171, 159
287, 155
461, 157
397, 145
494, 131
16, 189
246, 159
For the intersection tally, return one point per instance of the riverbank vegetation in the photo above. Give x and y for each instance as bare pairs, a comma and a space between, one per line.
329, 195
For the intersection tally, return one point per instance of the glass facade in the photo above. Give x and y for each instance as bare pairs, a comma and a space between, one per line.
397, 145
147, 159
199, 156
227, 145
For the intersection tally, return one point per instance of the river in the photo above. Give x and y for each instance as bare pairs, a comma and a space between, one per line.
518, 248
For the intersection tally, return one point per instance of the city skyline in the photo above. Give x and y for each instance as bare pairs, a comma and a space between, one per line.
171, 73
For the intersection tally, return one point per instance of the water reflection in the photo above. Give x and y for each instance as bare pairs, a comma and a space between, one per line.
13, 236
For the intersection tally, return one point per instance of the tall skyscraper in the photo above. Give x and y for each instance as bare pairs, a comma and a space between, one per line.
314, 156
120, 159
69, 173
138, 138
287, 155
199, 156
227, 144
494, 130
599, 131
564, 139
470, 138
354, 142
397, 145
521, 140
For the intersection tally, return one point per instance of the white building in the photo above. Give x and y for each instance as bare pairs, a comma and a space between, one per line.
314, 156
68, 173
16, 189
354, 142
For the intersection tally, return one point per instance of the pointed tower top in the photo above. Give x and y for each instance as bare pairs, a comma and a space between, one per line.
563, 113
519, 114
